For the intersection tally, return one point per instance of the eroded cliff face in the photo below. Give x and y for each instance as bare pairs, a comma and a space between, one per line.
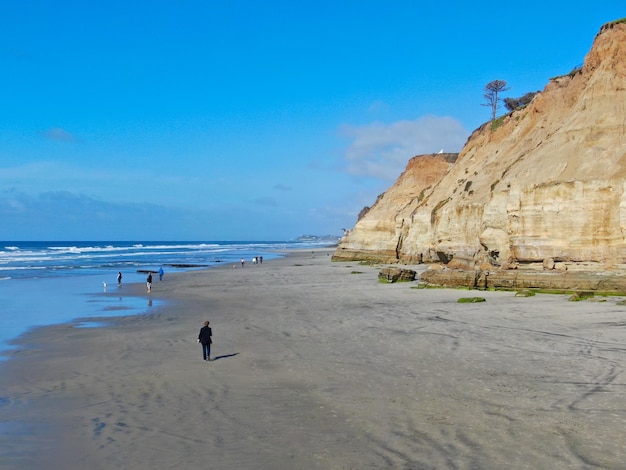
379, 235
548, 183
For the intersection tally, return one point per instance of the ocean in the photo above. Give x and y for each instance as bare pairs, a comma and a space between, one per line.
44, 283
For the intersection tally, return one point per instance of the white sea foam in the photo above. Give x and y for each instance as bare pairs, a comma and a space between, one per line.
18, 259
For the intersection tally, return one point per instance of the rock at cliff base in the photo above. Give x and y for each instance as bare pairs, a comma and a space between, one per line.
397, 275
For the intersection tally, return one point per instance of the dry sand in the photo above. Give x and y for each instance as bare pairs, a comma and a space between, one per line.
320, 366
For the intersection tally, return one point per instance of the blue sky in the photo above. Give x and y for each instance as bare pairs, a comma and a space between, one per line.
241, 120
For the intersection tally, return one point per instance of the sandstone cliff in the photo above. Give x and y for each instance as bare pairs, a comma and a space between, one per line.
543, 187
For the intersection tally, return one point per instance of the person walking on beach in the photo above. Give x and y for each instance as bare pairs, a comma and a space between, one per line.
119, 278
243, 262
149, 282
161, 273
204, 338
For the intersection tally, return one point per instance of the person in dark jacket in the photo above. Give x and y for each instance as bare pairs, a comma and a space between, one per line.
204, 338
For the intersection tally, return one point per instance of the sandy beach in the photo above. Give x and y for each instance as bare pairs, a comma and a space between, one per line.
319, 366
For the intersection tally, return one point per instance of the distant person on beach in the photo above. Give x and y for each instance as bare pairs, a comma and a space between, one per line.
119, 278
243, 262
149, 282
161, 273
204, 338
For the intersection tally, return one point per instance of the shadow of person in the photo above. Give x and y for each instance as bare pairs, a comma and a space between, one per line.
224, 356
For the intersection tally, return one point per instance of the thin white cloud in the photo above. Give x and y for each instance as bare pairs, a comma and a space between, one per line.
264, 201
31, 170
377, 107
51, 175
382, 150
68, 215
58, 134
11, 201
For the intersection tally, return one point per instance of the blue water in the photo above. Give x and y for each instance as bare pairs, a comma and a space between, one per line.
45, 283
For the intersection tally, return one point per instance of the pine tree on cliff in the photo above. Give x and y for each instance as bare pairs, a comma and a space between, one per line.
492, 95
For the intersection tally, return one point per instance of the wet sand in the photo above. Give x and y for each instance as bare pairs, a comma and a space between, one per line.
319, 366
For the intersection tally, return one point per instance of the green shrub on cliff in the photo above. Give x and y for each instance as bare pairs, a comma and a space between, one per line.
517, 103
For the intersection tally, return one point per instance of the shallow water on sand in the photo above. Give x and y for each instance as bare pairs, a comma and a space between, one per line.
27, 303
46, 283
